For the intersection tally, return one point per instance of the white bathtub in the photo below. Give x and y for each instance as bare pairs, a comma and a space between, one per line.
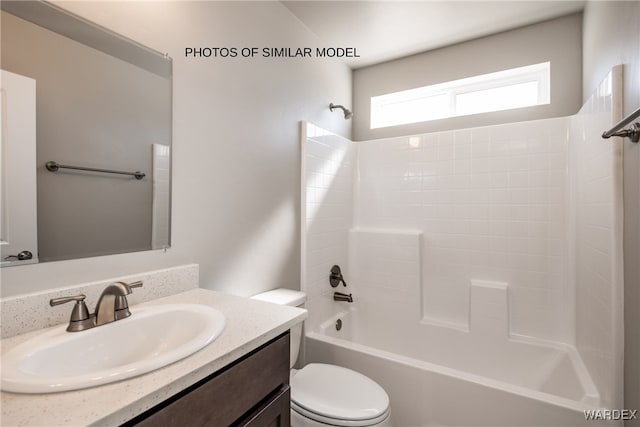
459, 382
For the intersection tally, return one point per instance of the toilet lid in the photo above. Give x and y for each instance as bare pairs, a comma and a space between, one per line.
337, 393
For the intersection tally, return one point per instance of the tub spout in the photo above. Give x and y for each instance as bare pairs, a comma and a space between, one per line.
339, 296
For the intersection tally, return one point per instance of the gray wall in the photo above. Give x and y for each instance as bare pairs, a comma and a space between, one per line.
558, 41
236, 149
611, 37
93, 110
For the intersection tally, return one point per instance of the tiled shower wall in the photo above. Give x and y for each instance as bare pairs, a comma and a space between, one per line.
596, 251
490, 203
327, 199
536, 205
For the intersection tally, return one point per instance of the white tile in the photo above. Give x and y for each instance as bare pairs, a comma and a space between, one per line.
488, 202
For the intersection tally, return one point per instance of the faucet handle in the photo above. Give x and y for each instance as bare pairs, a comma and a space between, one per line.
62, 300
79, 312
136, 284
80, 317
127, 288
335, 278
121, 302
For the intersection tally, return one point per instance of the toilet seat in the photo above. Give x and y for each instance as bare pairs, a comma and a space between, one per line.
339, 422
338, 396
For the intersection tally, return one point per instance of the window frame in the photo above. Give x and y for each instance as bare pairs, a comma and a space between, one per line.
539, 73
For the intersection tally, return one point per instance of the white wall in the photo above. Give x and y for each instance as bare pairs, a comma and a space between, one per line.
557, 41
236, 155
611, 36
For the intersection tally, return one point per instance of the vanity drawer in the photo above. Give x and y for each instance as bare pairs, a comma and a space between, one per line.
276, 412
245, 392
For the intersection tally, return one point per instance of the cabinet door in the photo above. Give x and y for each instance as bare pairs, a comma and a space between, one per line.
238, 392
275, 413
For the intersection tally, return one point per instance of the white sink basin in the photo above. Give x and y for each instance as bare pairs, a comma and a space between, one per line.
152, 337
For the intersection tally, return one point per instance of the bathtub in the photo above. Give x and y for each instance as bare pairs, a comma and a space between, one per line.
459, 382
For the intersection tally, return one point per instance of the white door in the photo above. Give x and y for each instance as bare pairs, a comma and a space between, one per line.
18, 208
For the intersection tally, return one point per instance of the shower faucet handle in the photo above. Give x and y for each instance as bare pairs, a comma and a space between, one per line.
335, 278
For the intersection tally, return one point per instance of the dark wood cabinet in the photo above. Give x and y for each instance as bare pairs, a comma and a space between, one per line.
274, 413
252, 391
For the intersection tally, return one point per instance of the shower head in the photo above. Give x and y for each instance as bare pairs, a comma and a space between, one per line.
347, 113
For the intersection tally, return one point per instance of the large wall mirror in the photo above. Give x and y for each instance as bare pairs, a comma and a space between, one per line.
83, 109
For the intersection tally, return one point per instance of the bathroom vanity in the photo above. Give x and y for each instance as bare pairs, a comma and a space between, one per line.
241, 378
253, 391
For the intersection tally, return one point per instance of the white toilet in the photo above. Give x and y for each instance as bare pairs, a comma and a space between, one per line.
327, 395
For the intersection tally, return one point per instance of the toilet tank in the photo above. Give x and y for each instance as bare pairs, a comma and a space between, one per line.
293, 298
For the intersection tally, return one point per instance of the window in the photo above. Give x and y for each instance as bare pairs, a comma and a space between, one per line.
502, 90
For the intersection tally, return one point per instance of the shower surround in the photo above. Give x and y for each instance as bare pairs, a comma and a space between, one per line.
487, 256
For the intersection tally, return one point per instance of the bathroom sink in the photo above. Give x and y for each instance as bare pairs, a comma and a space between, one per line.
152, 337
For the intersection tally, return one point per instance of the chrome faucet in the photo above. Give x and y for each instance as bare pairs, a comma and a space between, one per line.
339, 296
112, 305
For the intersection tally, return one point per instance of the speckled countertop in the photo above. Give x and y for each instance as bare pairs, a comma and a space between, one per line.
250, 324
